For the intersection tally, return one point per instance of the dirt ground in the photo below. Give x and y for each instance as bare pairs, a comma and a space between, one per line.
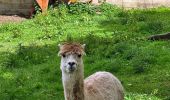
9, 19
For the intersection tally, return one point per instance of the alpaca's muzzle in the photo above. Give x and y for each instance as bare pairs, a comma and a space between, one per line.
71, 66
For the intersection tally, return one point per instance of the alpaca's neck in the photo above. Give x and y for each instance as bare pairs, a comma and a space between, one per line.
74, 85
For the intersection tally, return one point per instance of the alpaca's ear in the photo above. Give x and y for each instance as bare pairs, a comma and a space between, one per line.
59, 45
59, 53
83, 46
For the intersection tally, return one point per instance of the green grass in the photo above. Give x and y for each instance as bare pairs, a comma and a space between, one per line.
116, 41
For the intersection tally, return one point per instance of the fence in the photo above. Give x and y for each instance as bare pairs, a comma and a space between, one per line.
140, 3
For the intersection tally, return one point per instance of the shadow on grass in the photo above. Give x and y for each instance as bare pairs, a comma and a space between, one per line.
139, 21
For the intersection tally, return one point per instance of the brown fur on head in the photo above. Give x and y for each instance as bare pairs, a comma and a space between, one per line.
71, 48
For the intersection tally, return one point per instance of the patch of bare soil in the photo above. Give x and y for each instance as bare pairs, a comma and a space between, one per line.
11, 19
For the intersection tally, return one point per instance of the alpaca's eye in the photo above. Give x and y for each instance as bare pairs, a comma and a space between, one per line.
79, 55
64, 55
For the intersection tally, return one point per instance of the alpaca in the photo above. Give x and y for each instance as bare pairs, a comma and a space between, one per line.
99, 86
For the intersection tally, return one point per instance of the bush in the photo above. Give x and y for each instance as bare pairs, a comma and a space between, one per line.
80, 8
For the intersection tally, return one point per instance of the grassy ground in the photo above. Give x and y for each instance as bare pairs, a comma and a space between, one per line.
116, 42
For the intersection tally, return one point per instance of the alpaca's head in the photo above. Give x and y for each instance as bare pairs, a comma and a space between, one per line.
71, 57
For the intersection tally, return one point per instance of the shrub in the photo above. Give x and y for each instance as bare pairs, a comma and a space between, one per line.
79, 8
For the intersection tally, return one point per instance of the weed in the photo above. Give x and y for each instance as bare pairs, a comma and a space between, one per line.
155, 26
143, 60
79, 8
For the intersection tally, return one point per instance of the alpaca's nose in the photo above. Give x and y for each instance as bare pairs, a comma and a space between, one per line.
71, 63
71, 66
